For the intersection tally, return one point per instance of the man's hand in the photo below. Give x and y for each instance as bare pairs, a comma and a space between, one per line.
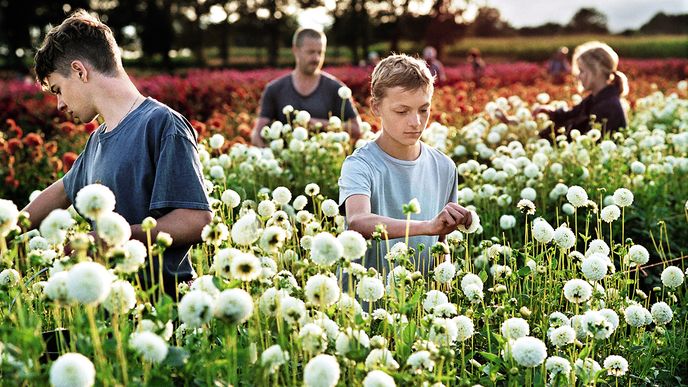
449, 218
257, 139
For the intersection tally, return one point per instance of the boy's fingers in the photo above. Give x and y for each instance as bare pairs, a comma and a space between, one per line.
468, 219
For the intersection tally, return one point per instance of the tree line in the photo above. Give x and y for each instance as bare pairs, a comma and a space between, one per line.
157, 27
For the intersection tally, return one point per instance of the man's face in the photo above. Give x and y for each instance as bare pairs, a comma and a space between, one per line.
310, 55
71, 97
404, 114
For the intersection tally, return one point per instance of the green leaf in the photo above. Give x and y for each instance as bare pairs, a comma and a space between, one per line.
524, 271
483, 275
491, 357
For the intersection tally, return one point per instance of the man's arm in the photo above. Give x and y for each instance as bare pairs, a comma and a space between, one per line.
360, 219
51, 198
256, 138
183, 225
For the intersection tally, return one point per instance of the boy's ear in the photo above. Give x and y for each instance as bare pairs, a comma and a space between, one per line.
375, 107
79, 68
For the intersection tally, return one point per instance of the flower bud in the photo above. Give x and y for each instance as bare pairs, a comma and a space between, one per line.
163, 240
148, 224
525, 312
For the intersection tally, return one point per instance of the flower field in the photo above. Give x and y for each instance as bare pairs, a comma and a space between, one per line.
573, 275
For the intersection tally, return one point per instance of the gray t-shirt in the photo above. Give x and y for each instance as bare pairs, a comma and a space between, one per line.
150, 162
390, 183
322, 103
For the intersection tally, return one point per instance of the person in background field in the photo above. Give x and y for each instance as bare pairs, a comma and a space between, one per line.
595, 66
559, 66
477, 65
434, 64
307, 88
144, 152
379, 178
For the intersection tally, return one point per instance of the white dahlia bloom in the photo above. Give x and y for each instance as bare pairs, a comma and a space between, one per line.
353, 244
113, 228
443, 331
562, 336
623, 197
330, 208
72, 370
245, 230
542, 230
420, 361
475, 224
234, 306
638, 255
195, 308
9, 278
321, 371
54, 227
635, 316
515, 328
94, 200
564, 237
577, 196
577, 291
89, 283
377, 378
122, 297
344, 92
672, 277
556, 365
464, 326
300, 202
9, 214
150, 346
594, 267
370, 289
273, 357
326, 249
322, 290
351, 340
281, 195
434, 298
134, 258
610, 213
231, 198
445, 272
615, 365
56, 288
661, 313
292, 310
245, 267
206, 283
381, 358
529, 351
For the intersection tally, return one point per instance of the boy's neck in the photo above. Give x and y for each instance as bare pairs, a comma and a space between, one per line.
398, 150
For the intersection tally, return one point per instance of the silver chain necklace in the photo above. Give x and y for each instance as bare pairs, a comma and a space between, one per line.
127, 113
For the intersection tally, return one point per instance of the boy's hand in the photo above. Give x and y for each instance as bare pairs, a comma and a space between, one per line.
449, 218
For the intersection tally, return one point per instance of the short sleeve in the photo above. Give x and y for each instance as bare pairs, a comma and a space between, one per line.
178, 176
355, 179
454, 188
267, 103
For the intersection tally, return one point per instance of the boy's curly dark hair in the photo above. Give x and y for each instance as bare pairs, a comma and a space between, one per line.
80, 37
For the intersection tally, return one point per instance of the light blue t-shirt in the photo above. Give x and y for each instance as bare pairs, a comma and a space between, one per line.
390, 183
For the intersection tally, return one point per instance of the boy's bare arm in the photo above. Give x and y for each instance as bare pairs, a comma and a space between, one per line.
360, 219
51, 198
183, 225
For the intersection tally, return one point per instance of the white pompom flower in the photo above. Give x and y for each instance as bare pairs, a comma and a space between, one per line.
370, 289
234, 306
273, 357
595, 266
661, 313
577, 196
9, 214
94, 200
149, 346
377, 378
672, 277
529, 351
353, 244
122, 297
113, 228
564, 237
281, 195
326, 249
623, 197
322, 290
638, 255
475, 224
542, 231
321, 371
245, 267
515, 328
54, 227
610, 213
245, 231
89, 283
195, 308
615, 365
577, 291
72, 370
344, 92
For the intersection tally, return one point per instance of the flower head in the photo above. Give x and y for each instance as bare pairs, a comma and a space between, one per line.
72, 370
326, 249
54, 227
195, 308
322, 290
89, 283
577, 196
615, 365
577, 291
672, 277
150, 346
8, 216
321, 371
623, 197
529, 351
234, 306
377, 378
94, 200
113, 228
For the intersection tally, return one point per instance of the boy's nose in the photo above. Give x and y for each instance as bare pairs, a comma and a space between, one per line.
60, 104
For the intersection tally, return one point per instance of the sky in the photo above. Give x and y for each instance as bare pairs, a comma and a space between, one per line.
621, 14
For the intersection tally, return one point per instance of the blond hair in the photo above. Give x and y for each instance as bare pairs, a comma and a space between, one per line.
400, 70
603, 59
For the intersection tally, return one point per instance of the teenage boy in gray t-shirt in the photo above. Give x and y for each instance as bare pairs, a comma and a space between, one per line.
383, 175
144, 152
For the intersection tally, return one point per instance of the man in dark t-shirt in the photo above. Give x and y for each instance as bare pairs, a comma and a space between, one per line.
144, 152
307, 88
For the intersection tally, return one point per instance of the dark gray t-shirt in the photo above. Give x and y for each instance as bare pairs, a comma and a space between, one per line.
390, 183
323, 102
150, 162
